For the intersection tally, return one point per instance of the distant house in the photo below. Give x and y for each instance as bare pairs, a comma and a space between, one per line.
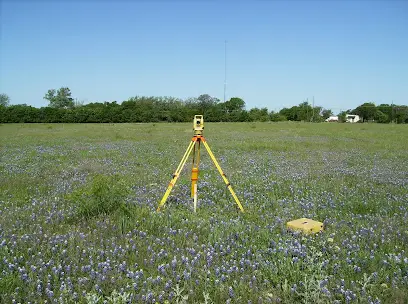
352, 118
332, 119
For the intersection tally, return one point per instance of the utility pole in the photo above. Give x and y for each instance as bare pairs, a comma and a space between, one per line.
392, 111
307, 109
313, 110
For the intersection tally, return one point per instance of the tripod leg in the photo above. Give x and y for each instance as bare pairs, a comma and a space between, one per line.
185, 156
224, 177
176, 174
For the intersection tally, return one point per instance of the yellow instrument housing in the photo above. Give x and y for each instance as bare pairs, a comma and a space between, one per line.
305, 225
198, 124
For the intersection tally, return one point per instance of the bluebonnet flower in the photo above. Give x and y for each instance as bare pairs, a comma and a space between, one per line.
231, 292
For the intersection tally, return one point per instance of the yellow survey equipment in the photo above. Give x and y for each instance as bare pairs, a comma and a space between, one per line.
195, 145
305, 225
198, 124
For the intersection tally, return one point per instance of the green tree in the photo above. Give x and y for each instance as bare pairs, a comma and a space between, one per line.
327, 113
4, 100
21, 113
289, 113
386, 109
381, 117
317, 114
205, 103
235, 104
277, 117
401, 114
305, 111
302, 112
367, 111
256, 114
60, 99
342, 116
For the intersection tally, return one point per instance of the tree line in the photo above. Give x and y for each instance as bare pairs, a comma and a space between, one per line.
62, 108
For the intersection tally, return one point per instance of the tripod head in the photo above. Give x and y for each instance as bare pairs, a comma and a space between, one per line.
198, 125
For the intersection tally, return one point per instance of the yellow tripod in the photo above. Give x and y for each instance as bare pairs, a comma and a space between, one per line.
195, 146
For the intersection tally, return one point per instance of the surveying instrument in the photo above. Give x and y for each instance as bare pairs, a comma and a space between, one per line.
195, 145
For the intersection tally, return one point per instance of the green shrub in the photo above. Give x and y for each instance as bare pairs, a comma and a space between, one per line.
103, 196
277, 117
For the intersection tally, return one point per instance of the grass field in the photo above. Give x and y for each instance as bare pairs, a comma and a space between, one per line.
78, 220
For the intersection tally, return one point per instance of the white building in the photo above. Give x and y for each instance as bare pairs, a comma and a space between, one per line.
352, 118
332, 119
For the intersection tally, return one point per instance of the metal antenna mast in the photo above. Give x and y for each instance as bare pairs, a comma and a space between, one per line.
225, 70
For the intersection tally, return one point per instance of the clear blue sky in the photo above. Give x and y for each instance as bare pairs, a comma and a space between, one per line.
279, 53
